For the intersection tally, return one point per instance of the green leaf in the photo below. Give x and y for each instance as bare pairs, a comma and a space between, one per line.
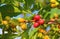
1, 26
46, 15
25, 34
35, 36
30, 17
28, 4
16, 9
20, 0
53, 11
0, 18
33, 32
7, 9
12, 36
2, 1
9, 1
53, 37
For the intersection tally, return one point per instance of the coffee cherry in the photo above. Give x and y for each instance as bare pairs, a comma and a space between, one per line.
41, 21
52, 1
4, 22
53, 5
46, 37
37, 17
41, 30
40, 34
23, 26
36, 25
21, 19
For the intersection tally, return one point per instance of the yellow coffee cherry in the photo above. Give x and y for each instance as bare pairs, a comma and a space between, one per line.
53, 5
24, 26
4, 22
21, 19
52, 1
39, 34
46, 37
57, 3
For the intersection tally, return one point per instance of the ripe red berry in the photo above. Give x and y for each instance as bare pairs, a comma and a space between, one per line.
36, 25
37, 17
41, 21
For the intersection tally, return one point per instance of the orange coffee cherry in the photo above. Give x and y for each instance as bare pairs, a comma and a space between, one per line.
21, 19
46, 37
41, 30
53, 5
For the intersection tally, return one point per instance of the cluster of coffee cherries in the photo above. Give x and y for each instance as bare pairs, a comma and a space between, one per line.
38, 21
54, 3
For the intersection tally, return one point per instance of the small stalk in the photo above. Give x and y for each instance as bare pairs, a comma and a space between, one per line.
3, 27
3, 34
